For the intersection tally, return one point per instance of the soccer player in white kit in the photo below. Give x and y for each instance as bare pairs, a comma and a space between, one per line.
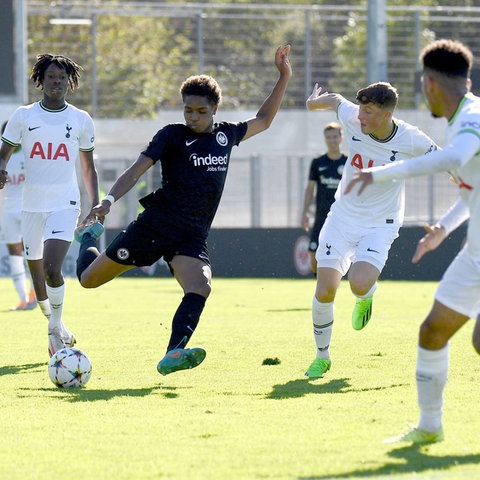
445, 84
359, 231
10, 232
54, 135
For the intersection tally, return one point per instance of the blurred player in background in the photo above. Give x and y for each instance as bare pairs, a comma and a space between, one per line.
358, 233
10, 231
446, 84
54, 135
176, 221
323, 179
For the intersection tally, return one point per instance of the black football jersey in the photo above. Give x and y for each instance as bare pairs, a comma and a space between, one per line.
327, 174
194, 170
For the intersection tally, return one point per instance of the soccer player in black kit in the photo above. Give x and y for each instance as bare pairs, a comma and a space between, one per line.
324, 176
194, 158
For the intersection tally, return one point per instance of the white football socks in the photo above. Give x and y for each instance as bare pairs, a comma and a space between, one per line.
45, 307
56, 296
19, 277
431, 377
322, 317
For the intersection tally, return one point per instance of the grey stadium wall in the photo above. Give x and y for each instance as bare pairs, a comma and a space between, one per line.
282, 253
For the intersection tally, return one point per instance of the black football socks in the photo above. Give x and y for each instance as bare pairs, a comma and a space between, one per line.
185, 320
86, 254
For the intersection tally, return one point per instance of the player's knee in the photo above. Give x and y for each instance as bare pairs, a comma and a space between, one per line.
204, 290
425, 333
200, 288
431, 336
84, 282
325, 293
476, 335
53, 275
476, 343
360, 284
88, 281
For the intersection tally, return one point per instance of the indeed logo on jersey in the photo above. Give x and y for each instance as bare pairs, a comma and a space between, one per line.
329, 182
211, 161
49, 151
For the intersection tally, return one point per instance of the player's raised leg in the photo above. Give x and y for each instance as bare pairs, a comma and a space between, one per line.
363, 283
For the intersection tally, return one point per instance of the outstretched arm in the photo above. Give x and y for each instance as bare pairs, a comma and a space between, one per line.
124, 183
320, 100
430, 241
453, 156
270, 106
452, 219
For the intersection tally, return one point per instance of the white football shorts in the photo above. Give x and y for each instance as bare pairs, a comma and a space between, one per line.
340, 245
459, 288
11, 227
37, 227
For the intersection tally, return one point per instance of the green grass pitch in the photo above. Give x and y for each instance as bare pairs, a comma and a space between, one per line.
232, 417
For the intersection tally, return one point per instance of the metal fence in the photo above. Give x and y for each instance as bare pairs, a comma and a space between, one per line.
116, 40
235, 42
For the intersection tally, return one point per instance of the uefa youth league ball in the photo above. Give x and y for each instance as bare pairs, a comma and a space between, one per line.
69, 367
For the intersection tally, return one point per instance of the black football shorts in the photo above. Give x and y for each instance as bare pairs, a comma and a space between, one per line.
142, 246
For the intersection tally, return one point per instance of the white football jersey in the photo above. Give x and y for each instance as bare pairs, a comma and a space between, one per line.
51, 141
380, 204
462, 137
12, 192
467, 177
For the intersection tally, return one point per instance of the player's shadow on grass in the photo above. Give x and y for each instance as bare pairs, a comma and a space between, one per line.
92, 395
14, 369
301, 387
416, 460
293, 309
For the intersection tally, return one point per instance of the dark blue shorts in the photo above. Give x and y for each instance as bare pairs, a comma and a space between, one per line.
142, 246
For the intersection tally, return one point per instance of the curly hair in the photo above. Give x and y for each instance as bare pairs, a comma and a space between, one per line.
203, 86
449, 57
44, 60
